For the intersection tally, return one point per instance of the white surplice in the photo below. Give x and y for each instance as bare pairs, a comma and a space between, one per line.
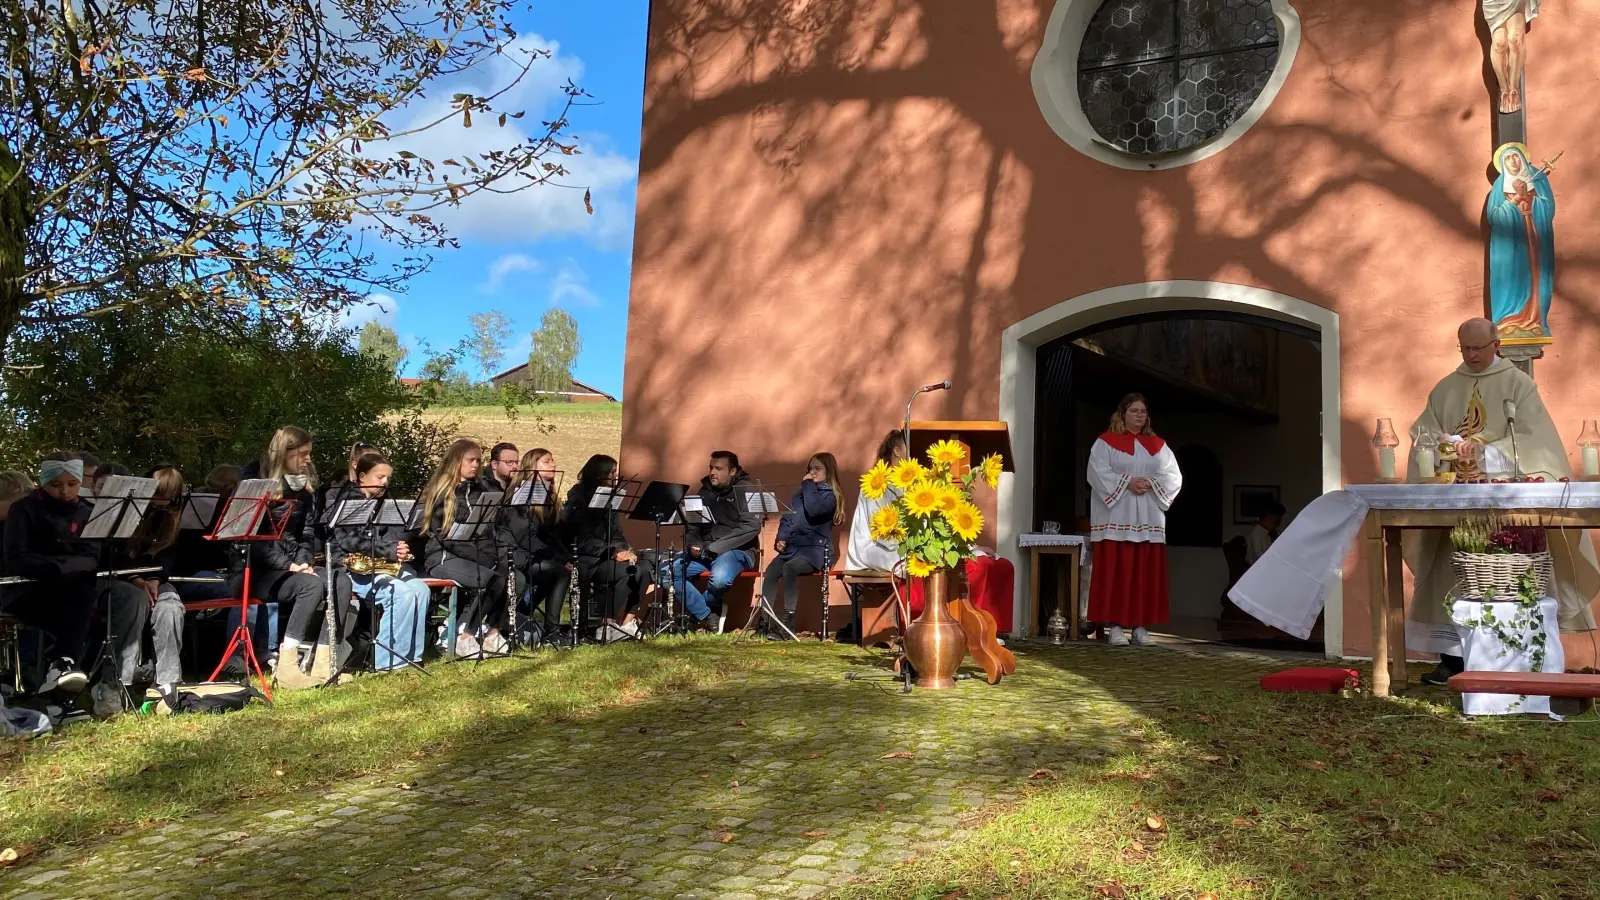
1118, 514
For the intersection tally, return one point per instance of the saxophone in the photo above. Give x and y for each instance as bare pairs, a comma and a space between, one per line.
362, 564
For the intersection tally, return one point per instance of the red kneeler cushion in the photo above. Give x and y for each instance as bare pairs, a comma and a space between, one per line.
1310, 680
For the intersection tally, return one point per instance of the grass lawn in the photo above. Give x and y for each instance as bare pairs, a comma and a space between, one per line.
703, 768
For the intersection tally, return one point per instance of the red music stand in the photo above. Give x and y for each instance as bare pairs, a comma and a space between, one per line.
241, 521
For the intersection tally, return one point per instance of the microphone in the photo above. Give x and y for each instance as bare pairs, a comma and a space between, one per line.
945, 386
1510, 407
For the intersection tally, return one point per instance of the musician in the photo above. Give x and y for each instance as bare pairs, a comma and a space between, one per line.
534, 540
283, 572
200, 558
378, 568
13, 487
606, 563
343, 486
155, 545
805, 535
504, 463
472, 564
727, 547
42, 543
862, 552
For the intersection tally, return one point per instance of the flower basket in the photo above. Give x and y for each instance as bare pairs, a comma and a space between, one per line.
1497, 574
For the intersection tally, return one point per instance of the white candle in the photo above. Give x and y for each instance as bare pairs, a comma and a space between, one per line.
1591, 461
1386, 462
1426, 468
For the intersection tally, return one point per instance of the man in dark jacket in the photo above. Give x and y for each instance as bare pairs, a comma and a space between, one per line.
727, 546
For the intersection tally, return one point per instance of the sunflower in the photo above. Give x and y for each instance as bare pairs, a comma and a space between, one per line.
876, 481
922, 499
991, 469
947, 453
917, 567
965, 521
885, 523
949, 499
907, 473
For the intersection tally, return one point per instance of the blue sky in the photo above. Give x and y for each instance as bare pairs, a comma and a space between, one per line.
524, 252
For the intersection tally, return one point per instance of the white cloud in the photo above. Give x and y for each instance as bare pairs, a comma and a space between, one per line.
507, 265
537, 211
570, 287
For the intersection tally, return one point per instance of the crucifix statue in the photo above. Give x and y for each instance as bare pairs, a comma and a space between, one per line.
1508, 28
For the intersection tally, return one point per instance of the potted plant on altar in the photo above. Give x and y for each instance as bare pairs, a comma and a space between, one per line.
1502, 609
936, 526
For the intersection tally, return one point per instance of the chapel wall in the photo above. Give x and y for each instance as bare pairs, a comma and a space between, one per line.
839, 201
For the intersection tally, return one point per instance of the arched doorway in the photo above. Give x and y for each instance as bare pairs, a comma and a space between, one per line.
1021, 391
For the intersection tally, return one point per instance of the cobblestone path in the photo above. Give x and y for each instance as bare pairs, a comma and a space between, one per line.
780, 784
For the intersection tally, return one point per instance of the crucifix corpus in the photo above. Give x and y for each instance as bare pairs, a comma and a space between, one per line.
1508, 50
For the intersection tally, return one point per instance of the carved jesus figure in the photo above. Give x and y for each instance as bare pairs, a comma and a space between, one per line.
1508, 28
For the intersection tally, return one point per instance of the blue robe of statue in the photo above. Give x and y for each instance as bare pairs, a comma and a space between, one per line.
1510, 270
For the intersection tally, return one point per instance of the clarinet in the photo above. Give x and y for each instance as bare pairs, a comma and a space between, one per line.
574, 601
827, 563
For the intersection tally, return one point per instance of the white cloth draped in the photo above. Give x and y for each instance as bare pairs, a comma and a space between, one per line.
1496, 12
1285, 586
862, 552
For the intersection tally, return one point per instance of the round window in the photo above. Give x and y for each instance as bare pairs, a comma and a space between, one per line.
1158, 76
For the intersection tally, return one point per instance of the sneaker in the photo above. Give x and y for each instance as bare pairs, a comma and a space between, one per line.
65, 676
467, 645
1142, 638
105, 701
495, 644
1116, 637
1439, 677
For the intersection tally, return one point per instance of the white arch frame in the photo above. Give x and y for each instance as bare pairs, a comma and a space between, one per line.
1055, 88
1018, 359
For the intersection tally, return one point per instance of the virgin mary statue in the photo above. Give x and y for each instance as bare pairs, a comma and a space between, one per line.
1522, 247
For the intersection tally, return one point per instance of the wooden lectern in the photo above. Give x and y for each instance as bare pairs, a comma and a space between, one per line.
980, 439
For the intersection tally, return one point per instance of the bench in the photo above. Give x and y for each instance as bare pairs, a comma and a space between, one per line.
1533, 684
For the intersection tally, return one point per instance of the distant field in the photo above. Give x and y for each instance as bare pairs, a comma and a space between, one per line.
572, 431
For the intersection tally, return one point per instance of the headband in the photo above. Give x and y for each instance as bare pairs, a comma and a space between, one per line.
51, 469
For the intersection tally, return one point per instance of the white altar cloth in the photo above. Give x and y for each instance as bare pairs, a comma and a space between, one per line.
1285, 587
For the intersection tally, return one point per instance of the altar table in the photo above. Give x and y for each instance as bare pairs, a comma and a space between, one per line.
1397, 507
1070, 546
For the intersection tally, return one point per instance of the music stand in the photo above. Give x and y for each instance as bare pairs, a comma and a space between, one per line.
241, 521
367, 513
613, 499
763, 503
483, 514
532, 494
114, 515
660, 504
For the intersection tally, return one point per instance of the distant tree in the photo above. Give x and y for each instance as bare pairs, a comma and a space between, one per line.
555, 350
490, 331
183, 154
379, 341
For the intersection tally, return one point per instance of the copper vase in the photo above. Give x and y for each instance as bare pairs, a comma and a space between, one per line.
935, 643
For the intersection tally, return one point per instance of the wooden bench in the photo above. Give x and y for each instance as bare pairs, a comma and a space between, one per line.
1533, 684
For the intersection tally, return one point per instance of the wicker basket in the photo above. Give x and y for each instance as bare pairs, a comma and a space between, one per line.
1496, 574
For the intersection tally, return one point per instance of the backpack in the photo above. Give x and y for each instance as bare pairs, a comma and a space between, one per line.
208, 697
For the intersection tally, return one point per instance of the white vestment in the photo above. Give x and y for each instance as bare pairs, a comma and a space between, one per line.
1118, 514
862, 552
1472, 405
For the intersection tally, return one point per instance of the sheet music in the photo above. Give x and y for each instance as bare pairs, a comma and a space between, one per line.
355, 513
120, 496
607, 498
199, 511
761, 501
695, 512
243, 513
531, 493
480, 516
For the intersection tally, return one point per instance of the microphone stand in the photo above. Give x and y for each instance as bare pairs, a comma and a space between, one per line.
906, 430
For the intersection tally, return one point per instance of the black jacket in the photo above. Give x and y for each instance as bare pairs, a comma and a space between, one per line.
734, 526
41, 539
484, 551
808, 531
591, 534
533, 535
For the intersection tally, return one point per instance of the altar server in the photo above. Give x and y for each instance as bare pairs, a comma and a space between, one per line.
1134, 478
1468, 408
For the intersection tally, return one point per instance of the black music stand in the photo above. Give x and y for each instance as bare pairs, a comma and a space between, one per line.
763, 502
614, 499
483, 515
531, 496
114, 515
241, 522
661, 503
366, 513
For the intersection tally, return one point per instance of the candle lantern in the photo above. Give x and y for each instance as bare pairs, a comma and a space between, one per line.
1425, 450
1589, 446
1384, 438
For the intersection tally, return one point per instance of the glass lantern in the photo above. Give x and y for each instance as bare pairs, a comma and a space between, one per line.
1589, 447
1425, 452
1385, 440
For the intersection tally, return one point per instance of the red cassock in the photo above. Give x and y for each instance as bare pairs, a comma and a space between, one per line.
1128, 583
989, 585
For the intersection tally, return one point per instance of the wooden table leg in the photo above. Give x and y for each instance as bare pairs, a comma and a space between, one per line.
1395, 601
1061, 579
1075, 624
1377, 590
1033, 590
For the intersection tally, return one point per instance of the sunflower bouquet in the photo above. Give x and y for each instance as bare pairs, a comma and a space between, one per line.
932, 517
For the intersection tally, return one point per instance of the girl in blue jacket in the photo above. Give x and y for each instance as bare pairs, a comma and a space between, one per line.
805, 536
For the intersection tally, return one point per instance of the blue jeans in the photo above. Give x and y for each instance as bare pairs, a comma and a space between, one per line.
724, 568
404, 624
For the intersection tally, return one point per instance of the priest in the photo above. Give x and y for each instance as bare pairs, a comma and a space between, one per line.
1468, 408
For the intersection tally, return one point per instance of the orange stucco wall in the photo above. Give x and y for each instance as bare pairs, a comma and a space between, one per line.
841, 200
